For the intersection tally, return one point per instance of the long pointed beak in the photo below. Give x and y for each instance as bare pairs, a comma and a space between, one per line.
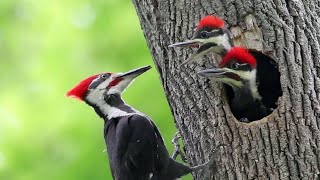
204, 48
189, 43
134, 73
222, 74
214, 73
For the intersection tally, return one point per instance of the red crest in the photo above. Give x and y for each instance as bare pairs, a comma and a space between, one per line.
239, 54
80, 90
211, 21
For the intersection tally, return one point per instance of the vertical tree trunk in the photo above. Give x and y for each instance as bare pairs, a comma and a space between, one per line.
284, 145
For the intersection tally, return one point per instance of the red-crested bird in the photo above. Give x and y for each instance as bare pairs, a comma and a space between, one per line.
135, 146
211, 35
255, 92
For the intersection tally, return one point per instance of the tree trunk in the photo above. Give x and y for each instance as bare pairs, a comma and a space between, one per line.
284, 145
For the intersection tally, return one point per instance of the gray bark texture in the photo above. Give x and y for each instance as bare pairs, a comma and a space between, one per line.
284, 145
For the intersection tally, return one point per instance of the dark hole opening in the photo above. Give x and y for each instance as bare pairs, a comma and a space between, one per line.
247, 109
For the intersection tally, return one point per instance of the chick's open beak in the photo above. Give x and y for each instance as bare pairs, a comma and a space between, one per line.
220, 74
203, 48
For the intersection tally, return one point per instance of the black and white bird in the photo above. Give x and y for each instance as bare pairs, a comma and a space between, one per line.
135, 147
211, 35
254, 96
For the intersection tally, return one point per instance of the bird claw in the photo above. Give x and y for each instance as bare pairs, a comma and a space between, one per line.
211, 161
177, 150
208, 164
175, 142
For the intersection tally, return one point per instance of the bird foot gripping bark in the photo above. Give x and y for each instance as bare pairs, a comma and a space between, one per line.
211, 159
206, 167
177, 150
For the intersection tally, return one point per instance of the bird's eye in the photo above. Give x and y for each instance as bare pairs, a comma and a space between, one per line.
204, 34
104, 76
235, 65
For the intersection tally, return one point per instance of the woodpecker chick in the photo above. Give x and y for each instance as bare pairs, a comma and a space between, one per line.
211, 35
134, 144
238, 69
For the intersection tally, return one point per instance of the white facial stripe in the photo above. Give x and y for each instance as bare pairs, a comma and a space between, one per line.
231, 82
253, 86
105, 83
119, 88
114, 112
222, 40
95, 80
96, 97
248, 75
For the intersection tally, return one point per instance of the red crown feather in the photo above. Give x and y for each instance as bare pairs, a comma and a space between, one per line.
239, 54
211, 22
80, 90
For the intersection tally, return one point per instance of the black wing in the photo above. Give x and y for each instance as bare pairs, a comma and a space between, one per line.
135, 146
137, 151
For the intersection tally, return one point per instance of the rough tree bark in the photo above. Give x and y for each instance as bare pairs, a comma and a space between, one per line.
284, 145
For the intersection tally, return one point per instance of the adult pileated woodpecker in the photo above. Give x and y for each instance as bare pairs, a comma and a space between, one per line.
212, 35
135, 147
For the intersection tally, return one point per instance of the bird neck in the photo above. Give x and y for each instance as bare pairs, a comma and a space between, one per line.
247, 93
242, 95
224, 48
112, 106
245, 105
226, 43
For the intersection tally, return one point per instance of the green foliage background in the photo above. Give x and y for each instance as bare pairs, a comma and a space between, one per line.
46, 47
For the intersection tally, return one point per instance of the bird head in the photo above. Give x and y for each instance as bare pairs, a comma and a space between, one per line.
211, 35
237, 69
95, 88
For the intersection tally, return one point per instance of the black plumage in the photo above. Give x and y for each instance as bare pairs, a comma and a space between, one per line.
268, 79
135, 146
243, 105
136, 150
